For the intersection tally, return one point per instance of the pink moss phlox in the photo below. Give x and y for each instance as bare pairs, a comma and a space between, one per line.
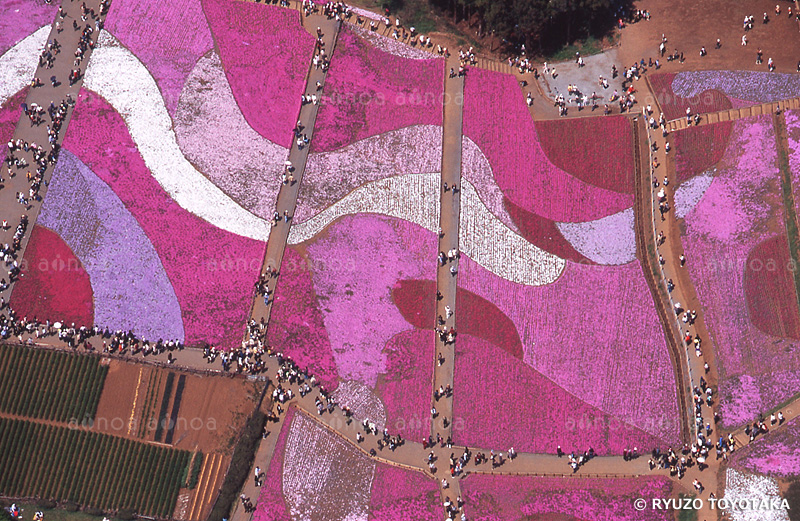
409, 366
296, 325
271, 505
533, 414
518, 498
266, 54
742, 207
497, 119
167, 37
212, 270
356, 262
369, 92
774, 454
21, 18
403, 495
593, 326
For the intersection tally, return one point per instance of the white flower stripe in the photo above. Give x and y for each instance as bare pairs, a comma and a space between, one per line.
315, 484
18, 64
415, 198
118, 76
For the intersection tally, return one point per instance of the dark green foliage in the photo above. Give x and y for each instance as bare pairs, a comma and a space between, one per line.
88, 469
239, 470
542, 25
48, 384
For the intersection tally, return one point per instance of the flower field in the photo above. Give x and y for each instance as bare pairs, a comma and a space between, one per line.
674, 104
609, 241
741, 486
297, 323
267, 68
598, 151
543, 233
506, 498
697, 149
21, 18
740, 210
214, 136
761, 87
399, 494
271, 505
130, 287
48, 400
331, 176
497, 119
54, 284
775, 455
769, 289
324, 477
353, 276
90, 469
416, 300
595, 325
690, 192
409, 368
169, 54
369, 92
211, 270
532, 413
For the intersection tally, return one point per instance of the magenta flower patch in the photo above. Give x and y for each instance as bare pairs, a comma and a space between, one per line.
21, 18
741, 209
530, 412
369, 92
775, 454
355, 264
271, 506
517, 498
296, 325
403, 495
54, 285
594, 325
598, 151
497, 119
168, 38
409, 366
266, 54
211, 270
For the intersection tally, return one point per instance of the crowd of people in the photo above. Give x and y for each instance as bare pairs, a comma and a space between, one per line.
33, 158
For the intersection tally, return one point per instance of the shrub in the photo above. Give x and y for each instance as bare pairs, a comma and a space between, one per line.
126, 514
240, 466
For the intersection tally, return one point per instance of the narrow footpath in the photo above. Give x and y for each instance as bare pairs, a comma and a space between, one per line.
50, 101
447, 272
295, 168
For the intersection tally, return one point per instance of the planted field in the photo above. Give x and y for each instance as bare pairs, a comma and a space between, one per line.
54, 284
88, 468
49, 385
546, 499
732, 266
598, 151
369, 92
493, 104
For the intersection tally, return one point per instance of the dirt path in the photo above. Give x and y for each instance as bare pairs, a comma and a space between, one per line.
15, 180
734, 114
287, 196
447, 272
666, 259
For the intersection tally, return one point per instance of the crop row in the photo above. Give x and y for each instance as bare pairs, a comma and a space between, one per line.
49, 385
90, 469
